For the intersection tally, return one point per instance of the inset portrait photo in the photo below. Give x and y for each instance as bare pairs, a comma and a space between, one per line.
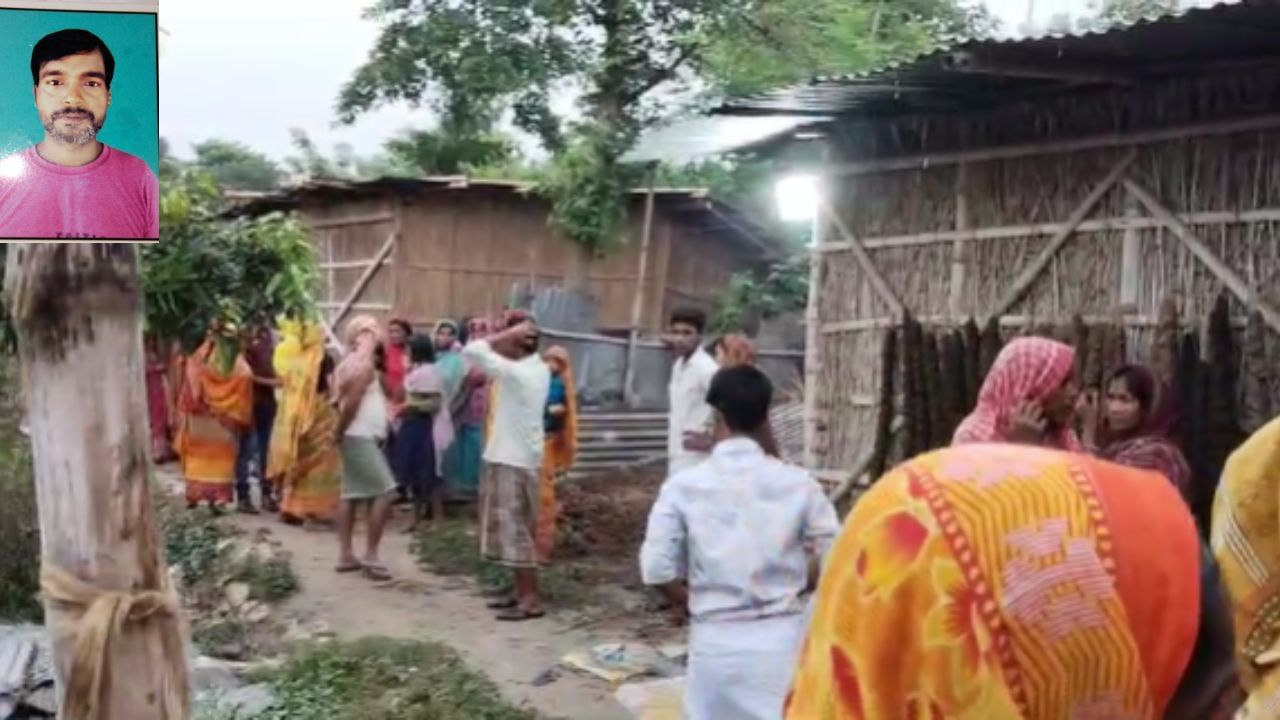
79, 125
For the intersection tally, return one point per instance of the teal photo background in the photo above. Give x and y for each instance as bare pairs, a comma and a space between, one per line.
132, 121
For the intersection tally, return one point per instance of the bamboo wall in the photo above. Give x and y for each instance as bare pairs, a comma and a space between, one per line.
1225, 187
462, 252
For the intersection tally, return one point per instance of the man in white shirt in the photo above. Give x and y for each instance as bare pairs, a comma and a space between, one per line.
513, 457
688, 434
736, 542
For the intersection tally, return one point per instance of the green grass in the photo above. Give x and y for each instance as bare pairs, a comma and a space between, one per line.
386, 679
452, 548
270, 580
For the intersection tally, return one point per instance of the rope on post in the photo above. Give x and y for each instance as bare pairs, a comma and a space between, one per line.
98, 619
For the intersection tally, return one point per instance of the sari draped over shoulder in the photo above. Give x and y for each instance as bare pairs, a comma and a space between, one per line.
1245, 539
560, 449
303, 454
215, 407
1026, 369
1004, 581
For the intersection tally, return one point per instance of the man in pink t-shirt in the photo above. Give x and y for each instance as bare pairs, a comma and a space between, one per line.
70, 185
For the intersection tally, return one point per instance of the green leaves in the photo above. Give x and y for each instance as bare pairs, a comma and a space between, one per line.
209, 268
785, 288
588, 191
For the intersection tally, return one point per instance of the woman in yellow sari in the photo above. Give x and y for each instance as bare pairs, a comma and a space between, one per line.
1246, 540
560, 449
304, 454
1009, 582
215, 408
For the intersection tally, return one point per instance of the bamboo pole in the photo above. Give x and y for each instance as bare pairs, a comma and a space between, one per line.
1020, 232
374, 266
868, 265
1008, 321
637, 298
961, 251
812, 349
114, 619
1206, 255
1029, 274
1268, 121
1130, 261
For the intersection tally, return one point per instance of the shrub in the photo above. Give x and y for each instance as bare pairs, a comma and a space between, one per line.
19, 522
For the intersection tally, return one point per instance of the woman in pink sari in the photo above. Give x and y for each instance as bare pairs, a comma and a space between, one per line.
1029, 397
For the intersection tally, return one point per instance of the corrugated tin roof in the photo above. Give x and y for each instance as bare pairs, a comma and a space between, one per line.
983, 72
689, 139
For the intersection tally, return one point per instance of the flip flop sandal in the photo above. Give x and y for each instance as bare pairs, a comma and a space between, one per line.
518, 614
348, 567
502, 603
377, 573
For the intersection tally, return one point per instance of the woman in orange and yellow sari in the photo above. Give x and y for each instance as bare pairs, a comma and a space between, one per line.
215, 407
304, 452
560, 447
994, 582
1246, 541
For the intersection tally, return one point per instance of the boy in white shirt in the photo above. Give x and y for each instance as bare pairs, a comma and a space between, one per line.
688, 432
736, 541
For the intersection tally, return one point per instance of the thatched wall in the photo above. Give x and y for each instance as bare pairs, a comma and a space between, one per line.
1225, 186
462, 252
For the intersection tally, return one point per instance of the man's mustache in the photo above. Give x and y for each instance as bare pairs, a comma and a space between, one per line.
73, 113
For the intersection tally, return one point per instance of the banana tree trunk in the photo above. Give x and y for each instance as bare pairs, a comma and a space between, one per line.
78, 314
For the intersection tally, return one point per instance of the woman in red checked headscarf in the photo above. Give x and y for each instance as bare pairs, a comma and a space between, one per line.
1029, 397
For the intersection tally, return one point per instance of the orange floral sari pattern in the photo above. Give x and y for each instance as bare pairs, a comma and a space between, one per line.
956, 592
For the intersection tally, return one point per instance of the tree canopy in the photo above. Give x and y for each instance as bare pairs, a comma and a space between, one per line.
476, 62
211, 268
236, 167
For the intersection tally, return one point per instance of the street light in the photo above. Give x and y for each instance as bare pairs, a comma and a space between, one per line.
797, 198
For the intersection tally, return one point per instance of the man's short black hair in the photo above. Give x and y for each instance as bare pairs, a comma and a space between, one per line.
690, 316
742, 395
63, 43
422, 349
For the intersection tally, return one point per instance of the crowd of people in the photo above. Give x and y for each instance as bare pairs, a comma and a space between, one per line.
1044, 565
457, 414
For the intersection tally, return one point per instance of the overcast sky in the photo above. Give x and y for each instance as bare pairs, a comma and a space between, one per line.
249, 70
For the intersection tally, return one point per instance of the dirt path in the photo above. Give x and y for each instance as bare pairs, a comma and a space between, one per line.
423, 606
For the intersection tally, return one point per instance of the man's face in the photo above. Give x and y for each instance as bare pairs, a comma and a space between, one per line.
529, 343
684, 338
72, 97
445, 337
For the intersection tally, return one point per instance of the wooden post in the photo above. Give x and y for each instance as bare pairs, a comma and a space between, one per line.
812, 340
114, 619
1130, 261
961, 249
637, 298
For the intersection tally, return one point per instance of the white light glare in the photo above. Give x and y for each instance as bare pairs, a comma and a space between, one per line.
797, 197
